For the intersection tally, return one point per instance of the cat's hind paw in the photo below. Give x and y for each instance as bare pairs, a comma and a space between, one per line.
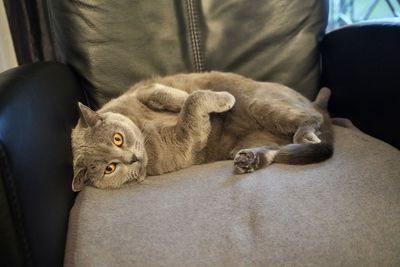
245, 161
308, 137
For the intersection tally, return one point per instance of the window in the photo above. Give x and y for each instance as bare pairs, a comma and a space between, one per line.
344, 12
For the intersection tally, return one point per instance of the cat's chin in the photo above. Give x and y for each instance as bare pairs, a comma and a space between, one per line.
135, 180
142, 172
140, 179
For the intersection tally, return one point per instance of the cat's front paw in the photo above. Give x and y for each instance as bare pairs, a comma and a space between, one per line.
224, 101
213, 101
245, 161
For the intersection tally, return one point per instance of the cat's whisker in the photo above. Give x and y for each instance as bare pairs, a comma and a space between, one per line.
146, 139
135, 175
130, 177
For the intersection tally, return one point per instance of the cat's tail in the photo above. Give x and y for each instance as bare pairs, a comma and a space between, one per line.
306, 153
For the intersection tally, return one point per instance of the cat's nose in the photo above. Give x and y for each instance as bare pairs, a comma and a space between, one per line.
133, 159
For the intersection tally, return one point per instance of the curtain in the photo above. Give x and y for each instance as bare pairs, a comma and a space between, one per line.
29, 26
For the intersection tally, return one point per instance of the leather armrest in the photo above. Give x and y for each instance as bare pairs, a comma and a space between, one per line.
361, 64
38, 108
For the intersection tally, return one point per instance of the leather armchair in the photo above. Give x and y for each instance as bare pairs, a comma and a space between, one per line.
38, 109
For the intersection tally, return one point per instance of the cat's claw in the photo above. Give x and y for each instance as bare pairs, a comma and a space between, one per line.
245, 161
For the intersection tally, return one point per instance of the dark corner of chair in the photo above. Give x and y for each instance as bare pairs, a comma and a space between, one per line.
38, 108
360, 63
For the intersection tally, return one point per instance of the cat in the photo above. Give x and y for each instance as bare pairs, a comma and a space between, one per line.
168, 123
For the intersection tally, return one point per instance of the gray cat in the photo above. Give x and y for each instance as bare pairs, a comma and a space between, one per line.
166, 124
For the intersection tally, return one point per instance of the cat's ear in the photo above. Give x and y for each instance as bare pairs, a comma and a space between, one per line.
80, 180
89, 118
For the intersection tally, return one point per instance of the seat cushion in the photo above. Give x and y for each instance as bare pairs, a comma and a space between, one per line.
341, 212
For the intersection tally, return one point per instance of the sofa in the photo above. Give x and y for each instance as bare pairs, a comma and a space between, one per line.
341, 212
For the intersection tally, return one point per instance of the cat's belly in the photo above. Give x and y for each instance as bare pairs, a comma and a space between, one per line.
164, 119
220, 141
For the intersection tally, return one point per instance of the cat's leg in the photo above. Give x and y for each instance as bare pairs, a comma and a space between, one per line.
161, 97
257, 138
193, 126
301, 123
309, 148
251, 159
305, 149
309, 128
255, 150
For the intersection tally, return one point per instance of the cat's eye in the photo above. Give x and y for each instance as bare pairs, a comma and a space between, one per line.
110, 168
118, 139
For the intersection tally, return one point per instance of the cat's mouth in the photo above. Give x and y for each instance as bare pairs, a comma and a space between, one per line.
137, 176
132, 178
139, 179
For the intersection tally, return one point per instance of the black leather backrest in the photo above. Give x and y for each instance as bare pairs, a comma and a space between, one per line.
113, 44
360, 64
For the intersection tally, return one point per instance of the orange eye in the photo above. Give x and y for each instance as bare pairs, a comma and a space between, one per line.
110, 168
118, 139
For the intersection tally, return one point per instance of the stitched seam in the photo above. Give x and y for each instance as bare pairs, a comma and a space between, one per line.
15, 207
195, 35
55, 41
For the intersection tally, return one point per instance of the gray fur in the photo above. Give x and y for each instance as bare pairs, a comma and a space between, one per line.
177, 121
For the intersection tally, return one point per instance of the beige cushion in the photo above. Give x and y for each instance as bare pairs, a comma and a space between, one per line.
342, 212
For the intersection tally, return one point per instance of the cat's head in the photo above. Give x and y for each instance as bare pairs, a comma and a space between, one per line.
108, 150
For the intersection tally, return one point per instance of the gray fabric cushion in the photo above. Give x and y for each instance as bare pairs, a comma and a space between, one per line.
341, 212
